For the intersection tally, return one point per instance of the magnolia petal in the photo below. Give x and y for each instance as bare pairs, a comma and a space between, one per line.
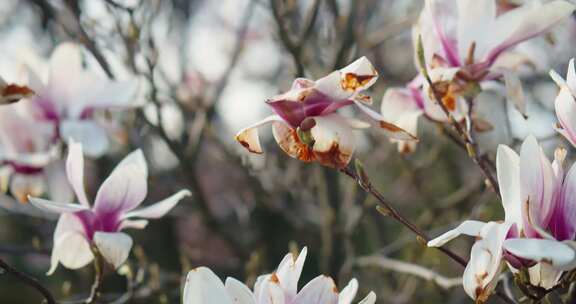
239, 293
526, 22
514, 91
24, 185
358, 76
400, 107
390, 129
75, 171
555, 253
203, 286
538, 184
471, 228
369, 299
544, 275
125, 188
320, 290
11, 93
114, 247
334, 141
289, 141
57, 183
65, 71
70, 245
565, 105
248, 137
289, 271
135, 224
348, 293
56, 207
508, 169
560, 82
268, 290
90, 134
473, 17
160, 208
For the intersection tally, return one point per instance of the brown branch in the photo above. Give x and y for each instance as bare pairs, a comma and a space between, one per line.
28, 280
367, 186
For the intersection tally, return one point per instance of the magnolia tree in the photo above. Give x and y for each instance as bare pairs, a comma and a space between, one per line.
366, 137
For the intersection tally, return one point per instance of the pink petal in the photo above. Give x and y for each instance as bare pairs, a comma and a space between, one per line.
566, 112
56, 207
391, 130
75, 172
158, 209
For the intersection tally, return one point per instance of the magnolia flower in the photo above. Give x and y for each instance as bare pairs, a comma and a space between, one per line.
81, 226
28, 159
306, 124
565, 103
203, 286
465, 43
538, 202
72, 94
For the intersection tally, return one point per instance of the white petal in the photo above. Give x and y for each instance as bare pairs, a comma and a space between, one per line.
514, 91
321, 290
400, 108
557, 254
565, 105
348, 293
70, 245
133, 224
268, 290
369, 299
65, 71
160, 208
334, 141
289, 271
508, 169
239, 293
471, 228
473, 18
391, 130
59, 188
24, 185
571, 77
90, 134
114, 247
248, 137
363, 71
203, 287
75, 171
125, 188
56, 207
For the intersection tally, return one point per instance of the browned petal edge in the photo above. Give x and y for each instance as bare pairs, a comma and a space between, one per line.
293, 146
14, 92
351, 81
241, 139
394, 128
365, 99
334, 157
274, 278
405, 149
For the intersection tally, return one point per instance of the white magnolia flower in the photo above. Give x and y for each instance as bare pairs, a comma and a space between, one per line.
203, 287
81, 226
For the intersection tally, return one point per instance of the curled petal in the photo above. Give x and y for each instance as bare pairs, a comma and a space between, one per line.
288, 139
390, 129
566, 112
333, 141
359, 75
400, 107
470, 228
248, 137
56, 207
75, 171
10, 93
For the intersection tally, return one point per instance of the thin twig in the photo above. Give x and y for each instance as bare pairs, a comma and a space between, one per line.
98, 276
28, 280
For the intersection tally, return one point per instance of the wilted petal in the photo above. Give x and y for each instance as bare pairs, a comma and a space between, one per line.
90, 134
471, 228
400, 107
125, 188
333, 141
348, 293
508, 169
248, 137
160, 208
391, 130
10, 93
358, 76
114, 247
321, 290
239, 293
268, 290
566, 112
203, 286
75, 171
56, 207
557, 254
289, 271
70, 245
544, 275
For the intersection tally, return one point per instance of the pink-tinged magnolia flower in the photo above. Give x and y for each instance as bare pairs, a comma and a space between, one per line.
81, 226
28, 159
72, 94
203, 286
306, 124
565, 103
466, 42
539, 202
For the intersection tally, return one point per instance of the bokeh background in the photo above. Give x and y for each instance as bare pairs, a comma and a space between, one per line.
212, 65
